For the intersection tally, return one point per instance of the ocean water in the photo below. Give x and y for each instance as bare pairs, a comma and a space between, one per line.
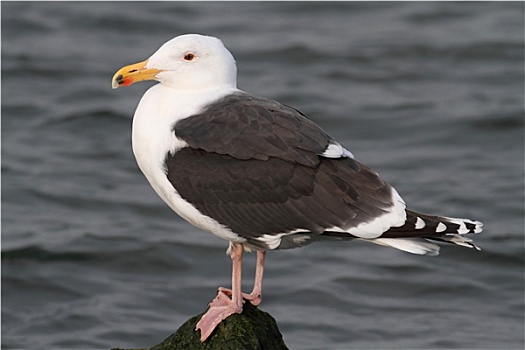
431, 95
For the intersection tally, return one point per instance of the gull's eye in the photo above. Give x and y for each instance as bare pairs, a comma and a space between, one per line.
189, 56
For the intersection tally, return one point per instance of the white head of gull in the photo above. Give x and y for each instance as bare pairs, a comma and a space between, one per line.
258, 173
187, 62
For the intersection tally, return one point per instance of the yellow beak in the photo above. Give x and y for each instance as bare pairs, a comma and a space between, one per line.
133, 73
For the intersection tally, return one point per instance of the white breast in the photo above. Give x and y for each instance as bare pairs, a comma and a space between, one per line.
152, 138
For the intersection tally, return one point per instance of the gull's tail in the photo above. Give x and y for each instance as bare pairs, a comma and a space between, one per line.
419, 230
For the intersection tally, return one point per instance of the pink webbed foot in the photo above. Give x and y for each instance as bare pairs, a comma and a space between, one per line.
220, 308
255, 297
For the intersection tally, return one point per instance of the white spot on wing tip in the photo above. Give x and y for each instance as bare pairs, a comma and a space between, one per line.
441, 227
478, 226
420, 223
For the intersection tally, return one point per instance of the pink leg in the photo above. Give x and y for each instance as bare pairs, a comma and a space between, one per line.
222, 306
255, 297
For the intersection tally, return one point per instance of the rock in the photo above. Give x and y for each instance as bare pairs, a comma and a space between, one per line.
252, 330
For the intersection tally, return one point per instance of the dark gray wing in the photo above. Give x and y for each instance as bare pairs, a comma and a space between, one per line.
248, 127
255, 198
255, 166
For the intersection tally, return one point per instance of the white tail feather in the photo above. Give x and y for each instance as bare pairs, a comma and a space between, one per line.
459, 240
411, 245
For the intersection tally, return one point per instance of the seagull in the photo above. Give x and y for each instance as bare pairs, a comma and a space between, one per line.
259, 173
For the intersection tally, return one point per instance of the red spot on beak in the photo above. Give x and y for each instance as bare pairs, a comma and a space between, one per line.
127, 81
